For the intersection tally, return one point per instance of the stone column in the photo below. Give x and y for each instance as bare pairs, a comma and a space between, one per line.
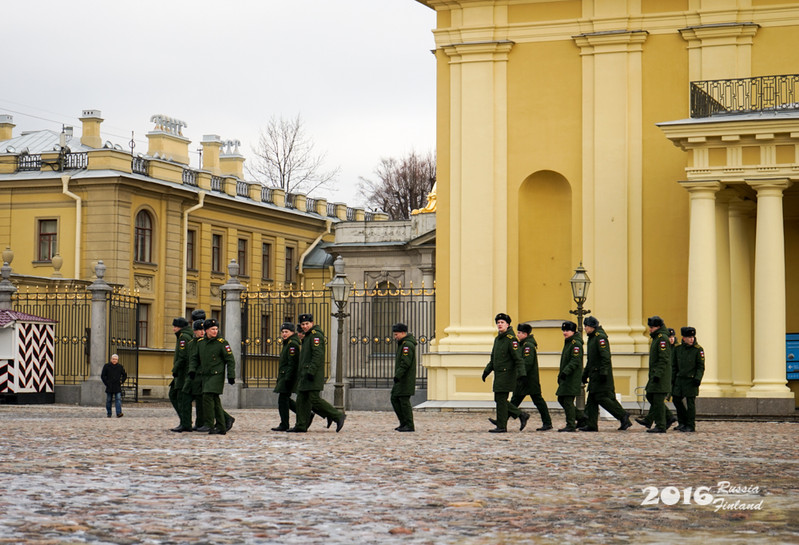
769, 373
723, 289
92, 390
232, 332
702, 278
741, 245
7, 289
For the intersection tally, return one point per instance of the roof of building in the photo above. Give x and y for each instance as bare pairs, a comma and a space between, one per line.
8, 317
40, 142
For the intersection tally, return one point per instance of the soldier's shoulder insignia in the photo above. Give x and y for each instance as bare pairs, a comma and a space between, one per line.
526, 350
405, 350
515, 344
702, 354
576, 349
316, 341
663, 345
292, 350
603, 343
228, 349
182, 343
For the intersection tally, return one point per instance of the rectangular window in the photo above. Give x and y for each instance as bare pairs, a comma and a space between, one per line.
266, 261
216, 253
242, 257
190, 245
265, 323
289, 273
48, 239
144, 324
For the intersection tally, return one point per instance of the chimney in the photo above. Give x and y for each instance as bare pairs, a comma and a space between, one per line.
6, 127
167, 140
211, 145
231, 162
91, 129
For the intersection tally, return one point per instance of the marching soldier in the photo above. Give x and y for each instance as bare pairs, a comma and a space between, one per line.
570, 373
194, 386
598, 374
508, 367
181, 401
311, 378
529, 348
689, 367
212, 357
659, 384
404, 377
287, 374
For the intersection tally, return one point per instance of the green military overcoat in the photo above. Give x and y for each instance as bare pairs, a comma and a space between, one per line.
405, 367
312, 362
571, 366
287, 365
180, 363
193, 386
598, 368
659, 363
506, 362
211, 358
689, 367
529, 348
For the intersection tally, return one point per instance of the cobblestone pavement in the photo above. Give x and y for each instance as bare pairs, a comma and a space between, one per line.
70, 475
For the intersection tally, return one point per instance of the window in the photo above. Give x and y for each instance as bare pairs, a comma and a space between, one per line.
48, 239
216, 253
190, 245
242, 257
143, 245
266, 261
144, 324
265, 334
289, 273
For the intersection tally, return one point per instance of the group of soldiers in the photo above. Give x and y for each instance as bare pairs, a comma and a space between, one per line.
675, 369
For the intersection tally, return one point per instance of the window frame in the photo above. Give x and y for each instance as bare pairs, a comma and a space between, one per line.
217, 260
143, 237
266, 261
191, 247
53, 240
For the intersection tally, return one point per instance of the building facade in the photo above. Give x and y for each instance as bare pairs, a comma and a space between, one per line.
165, 231
567, 133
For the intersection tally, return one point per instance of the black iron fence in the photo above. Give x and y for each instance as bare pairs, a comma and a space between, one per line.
71, 309
744, 95
369, 347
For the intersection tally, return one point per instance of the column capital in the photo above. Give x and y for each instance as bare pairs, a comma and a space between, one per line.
742, 208
702, 189
776, 185
615, 41
478, 51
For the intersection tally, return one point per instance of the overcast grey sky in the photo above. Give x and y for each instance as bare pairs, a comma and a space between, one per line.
359, 72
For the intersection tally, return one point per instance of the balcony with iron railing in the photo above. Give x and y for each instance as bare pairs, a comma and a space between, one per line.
745, 95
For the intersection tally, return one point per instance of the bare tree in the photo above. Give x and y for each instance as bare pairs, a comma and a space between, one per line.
402, 184
285, 158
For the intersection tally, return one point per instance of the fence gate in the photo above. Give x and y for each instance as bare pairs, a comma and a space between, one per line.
370, 349
123, 338
262, 314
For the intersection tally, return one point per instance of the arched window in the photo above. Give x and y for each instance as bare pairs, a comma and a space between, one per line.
143, 243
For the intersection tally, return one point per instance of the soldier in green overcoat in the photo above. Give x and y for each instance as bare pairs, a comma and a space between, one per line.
508, 367
529, 348
180, 371
659, 384
212, 357
404, 377
194, 386
311, 379
687, 373
287, 374
570, 373
598, 374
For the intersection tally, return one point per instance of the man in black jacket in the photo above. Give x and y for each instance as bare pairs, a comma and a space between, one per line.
113, 375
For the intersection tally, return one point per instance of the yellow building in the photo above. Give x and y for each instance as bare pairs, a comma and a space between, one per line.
567, 134
162, 229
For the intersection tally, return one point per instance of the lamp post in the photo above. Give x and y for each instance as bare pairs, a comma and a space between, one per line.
580, 283
340, 288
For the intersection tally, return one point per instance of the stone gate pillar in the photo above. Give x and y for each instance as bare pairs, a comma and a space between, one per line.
231, 396
92, 390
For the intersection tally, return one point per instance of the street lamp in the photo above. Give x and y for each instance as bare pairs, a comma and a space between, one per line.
580, 283
340, 288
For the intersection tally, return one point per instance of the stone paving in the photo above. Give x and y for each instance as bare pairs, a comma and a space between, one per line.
70, 475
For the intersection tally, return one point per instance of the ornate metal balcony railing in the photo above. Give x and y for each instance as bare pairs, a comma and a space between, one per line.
189, 177
310, 205
350, 214
140, 165
216, 183
267, 195
745, 95
331, 210
290, 200
29, 162
76, 160
242, 189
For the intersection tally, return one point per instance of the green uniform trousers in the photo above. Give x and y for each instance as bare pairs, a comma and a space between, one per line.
212, 410
567, 402
403, 410
658, 413
686, 413
540, 404
308, 402
504, 409
606, 400
284, 405
199, 418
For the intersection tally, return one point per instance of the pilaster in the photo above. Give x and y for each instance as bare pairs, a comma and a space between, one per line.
741, 251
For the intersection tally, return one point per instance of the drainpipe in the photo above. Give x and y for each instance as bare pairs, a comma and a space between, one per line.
78, 220
328, 224
186, 249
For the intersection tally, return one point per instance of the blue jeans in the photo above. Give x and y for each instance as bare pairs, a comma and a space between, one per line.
117, 398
